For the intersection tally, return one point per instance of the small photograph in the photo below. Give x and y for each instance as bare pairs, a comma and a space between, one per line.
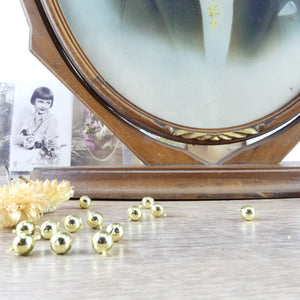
6, 105
93, 144
42, 126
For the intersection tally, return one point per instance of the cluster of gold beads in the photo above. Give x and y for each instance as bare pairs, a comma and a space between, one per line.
135, 213
103, 241
24, 241
61, 242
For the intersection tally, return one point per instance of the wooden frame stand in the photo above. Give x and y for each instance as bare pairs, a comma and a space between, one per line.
253, 171
177, 183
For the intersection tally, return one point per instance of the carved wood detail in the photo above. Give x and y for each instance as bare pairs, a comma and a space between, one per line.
270, 150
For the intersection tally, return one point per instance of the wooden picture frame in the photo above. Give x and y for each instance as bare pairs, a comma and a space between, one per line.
172, 173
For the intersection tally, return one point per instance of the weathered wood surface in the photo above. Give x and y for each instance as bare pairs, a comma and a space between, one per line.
201, 250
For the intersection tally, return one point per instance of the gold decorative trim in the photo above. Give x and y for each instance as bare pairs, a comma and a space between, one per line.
215, 137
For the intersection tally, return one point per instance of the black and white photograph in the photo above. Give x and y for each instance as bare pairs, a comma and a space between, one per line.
220, 61
6, 105
42, 125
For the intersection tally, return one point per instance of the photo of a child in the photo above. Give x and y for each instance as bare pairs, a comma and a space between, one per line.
39, 129
36, 138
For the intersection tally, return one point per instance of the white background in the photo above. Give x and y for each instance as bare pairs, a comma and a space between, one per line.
17, 63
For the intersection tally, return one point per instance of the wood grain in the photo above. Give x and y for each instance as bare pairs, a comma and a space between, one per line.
201, 250
180, 182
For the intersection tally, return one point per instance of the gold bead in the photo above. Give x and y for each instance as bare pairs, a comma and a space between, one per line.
248, 212
116, 230
102, 242
147, 202
95, 220
26, 227
61, 242
48, 229
134, 213
23, 243
157, 210
85, 202
72, 223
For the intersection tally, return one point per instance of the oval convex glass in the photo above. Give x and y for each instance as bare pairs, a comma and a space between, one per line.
197, 63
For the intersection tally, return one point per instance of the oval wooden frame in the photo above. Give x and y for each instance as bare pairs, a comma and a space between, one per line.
112, 100
252, 171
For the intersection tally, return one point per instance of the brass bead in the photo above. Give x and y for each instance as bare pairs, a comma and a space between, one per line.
95, 220
23, 243
134, 213
102, 242
48, 229
26, 227
248, 212
116, 230
85, 202
147, 202
61, 242
72, 223
157, 210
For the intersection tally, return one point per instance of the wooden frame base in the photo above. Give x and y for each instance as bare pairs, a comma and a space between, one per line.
250, 172
181, 182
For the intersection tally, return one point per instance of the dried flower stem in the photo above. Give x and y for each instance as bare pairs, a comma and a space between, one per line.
9, 178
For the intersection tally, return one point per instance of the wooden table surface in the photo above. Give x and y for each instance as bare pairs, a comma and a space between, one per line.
201, 250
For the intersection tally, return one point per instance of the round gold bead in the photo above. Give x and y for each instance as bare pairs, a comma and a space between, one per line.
248, 212
72, 223
157, 210
134, 213
61, 242
23, 243
102, 242
48, 229
85, 201
116, 230
95, 220
26, 227
147, 202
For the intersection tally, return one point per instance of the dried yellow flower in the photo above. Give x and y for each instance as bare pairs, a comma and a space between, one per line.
29, 200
